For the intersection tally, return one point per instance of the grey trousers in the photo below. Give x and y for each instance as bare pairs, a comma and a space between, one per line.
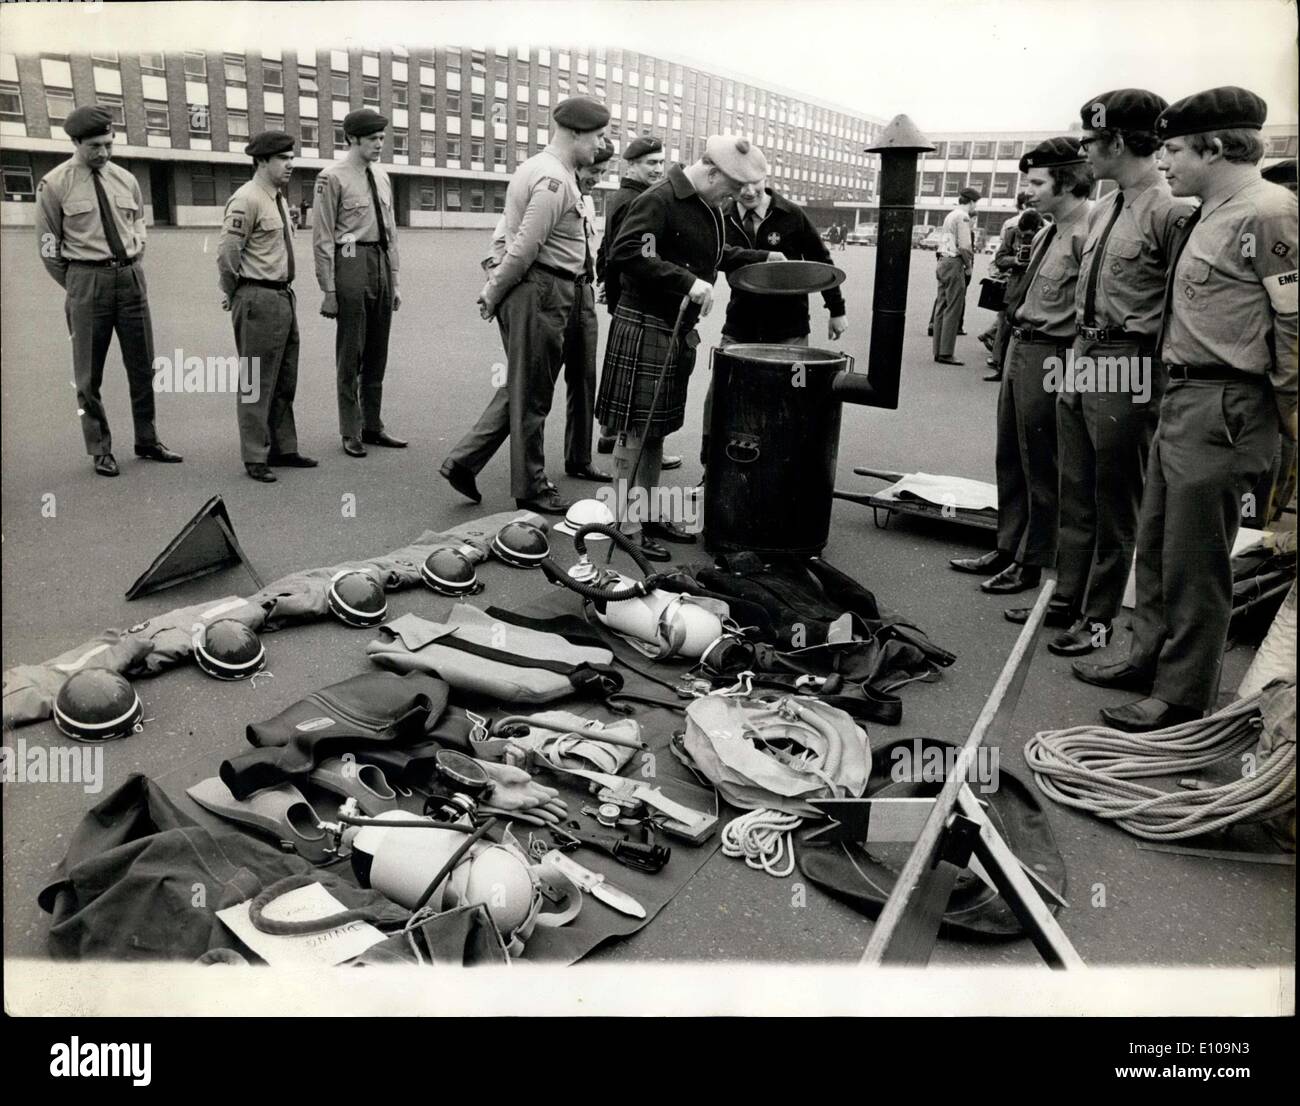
580, 340
533, 319
266, 333
1213, 442
364, 286
102, 301
949, 306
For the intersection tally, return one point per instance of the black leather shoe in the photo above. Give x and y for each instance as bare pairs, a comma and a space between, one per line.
1059, 616
549, 502
669, 531
961, 333
1085, 636
382, 437
353, 447
651, 550
261, 472
670, 461
1015, 577
948, 361
992, 377
106, 464
1117, 674
929, 332
158, 452
587, 472
987, 565
291, 461
460, 478
1146, 715
604, 444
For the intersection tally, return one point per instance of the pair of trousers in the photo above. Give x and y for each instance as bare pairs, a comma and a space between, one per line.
533, 319
266, 336
580, 340
949, 305
1026, 454
636, 499
363, 284
1213, 442
102, 301
1103, 442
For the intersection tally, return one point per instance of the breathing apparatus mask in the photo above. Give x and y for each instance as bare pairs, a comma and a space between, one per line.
661, 624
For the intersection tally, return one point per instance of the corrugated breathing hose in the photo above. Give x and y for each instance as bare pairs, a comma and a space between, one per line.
1089, 768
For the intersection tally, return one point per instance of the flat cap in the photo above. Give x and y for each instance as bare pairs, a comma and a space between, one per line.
1217, 109
739, 158
1052, 152
603, 153
1124, 109
581, 113
88, 122
363, 122
639, 147
269, 143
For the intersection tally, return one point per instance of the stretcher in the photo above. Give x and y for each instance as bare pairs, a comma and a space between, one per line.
905, 500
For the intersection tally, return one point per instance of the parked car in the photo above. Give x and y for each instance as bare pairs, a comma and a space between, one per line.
919, 234
863, 236
991, 246
931, 241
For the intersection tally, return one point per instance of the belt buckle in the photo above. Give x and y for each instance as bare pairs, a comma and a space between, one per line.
1093, 333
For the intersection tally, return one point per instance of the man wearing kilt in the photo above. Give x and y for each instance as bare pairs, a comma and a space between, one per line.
671, 245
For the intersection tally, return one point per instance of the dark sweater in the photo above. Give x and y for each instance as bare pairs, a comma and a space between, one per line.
615, 209
670, 238
755, 318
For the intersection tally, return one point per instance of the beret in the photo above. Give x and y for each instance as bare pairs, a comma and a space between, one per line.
581, 113
739, 158
88, 122
363, 122
1124, 109
1281, 173
603, 153
639, 147
1052, 152
1216, 109
269, 143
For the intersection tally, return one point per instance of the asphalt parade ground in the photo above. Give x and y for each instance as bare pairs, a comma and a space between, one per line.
73, 542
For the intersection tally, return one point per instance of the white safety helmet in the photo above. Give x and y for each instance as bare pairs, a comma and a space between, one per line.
586, 511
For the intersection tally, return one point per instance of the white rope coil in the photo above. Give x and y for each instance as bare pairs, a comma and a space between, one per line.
1088, 768
764, 838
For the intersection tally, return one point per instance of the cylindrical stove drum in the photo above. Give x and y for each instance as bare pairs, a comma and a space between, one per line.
773, 442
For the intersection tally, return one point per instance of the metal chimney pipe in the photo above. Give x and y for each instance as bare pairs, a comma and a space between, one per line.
899, 145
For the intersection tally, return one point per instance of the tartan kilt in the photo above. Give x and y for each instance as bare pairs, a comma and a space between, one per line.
634, 357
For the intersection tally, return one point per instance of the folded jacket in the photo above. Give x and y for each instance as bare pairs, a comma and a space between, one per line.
373, 708
484, 656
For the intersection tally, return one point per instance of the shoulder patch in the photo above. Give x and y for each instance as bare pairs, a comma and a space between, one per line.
1281, 249
552, 184
320, 183
1180, 222
236, 220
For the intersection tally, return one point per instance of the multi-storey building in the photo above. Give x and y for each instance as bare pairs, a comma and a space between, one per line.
461, 120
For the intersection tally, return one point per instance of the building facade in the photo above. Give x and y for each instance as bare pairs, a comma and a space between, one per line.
461, 119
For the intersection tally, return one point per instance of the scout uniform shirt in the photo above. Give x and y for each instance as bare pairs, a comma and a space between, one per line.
1049, 300
544, 222
252, 243
1134, 262
345, 215
68, 224
1233, 296
956, 236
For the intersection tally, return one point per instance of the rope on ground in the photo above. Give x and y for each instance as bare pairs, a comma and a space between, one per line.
1088, 768
763, 838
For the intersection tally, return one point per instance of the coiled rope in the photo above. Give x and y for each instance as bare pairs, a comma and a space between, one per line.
1088, 768
763, 838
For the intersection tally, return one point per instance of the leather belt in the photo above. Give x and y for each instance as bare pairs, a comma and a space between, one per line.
1025, 334
1213, 372
1112, 334
105, 263
367, 245
278, 285
563, 274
